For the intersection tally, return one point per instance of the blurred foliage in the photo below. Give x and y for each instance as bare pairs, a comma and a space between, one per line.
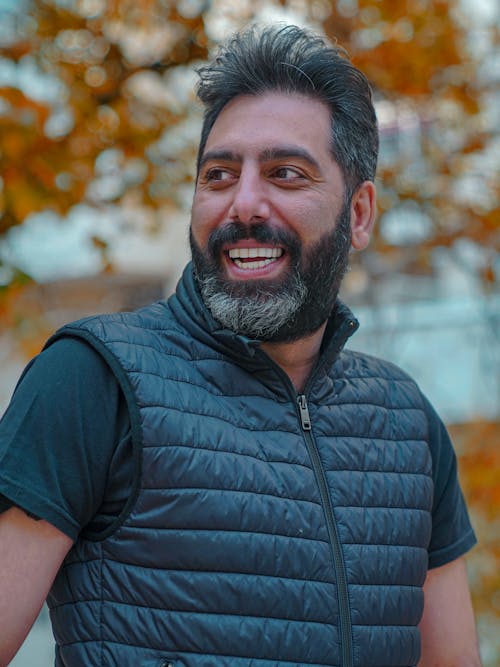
105, 65
479, 467
422, 57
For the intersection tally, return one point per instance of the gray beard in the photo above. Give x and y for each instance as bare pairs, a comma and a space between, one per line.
261, 317
270, 311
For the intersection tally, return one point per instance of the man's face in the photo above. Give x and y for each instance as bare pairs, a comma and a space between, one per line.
270, 229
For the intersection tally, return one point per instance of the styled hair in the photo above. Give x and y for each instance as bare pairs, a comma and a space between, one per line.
293, 60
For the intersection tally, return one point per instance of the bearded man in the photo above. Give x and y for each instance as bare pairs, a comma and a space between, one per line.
212, 480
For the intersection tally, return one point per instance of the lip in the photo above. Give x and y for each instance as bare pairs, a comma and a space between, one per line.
269, 271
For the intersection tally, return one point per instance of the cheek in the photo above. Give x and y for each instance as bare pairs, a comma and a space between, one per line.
200, 221
310, 219
206, 214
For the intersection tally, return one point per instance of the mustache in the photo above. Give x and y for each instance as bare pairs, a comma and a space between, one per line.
258, 231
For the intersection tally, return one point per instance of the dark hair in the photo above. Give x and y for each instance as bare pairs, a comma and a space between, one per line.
293, 60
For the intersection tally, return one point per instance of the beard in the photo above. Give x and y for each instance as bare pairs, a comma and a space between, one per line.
281, 310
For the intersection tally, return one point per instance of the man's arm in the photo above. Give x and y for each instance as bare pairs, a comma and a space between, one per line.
31, 553
447, 627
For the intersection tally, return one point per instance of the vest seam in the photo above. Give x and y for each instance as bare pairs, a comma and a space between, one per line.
371, 404
220, 655
271, 397
226, 572
236, 574
401, 441
205, 448
185, 412
383, 507
135, 371
194, 612
388, 625
70, 330
123, 341
354, 583
385, 378
226, 490
248, 427
385, 545
390, 408
327, 470
235, 614
119, 317
277, 497
161, 529
367, 471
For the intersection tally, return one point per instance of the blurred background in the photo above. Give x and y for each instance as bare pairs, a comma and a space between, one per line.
98, 136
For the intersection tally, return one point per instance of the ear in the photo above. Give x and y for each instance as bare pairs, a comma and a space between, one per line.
363, 212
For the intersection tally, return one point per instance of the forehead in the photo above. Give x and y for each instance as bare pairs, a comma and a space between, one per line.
260, 121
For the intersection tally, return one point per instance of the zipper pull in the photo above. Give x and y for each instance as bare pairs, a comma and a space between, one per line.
304, 412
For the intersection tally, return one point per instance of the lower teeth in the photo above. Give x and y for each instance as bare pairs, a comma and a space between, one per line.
257, 264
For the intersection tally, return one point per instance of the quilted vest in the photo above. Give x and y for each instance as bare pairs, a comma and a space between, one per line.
266, 528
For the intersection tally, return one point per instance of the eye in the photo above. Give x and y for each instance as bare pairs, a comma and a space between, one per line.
217, 174
287, 173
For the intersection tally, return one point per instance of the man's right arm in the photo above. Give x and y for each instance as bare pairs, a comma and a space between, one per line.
31, 553
59, 444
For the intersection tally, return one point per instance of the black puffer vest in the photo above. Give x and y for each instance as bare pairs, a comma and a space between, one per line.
266, 529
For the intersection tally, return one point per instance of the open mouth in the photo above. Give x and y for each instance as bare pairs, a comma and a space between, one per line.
254, 258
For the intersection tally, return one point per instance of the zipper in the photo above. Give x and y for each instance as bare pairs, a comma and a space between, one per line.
345, 625
338, 559
305, 419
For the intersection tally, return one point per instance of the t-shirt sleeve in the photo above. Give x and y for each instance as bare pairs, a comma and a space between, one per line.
452, 532
59, 434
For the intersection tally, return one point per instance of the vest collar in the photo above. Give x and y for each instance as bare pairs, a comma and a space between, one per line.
189, 308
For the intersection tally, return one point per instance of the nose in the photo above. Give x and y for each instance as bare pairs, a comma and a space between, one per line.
250, 198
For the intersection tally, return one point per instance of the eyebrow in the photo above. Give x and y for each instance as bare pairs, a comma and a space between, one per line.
222, 155
276, 153
283, 152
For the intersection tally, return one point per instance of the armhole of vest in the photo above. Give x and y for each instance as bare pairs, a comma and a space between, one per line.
135, 424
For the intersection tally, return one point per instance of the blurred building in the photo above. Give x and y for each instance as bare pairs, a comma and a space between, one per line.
42, 308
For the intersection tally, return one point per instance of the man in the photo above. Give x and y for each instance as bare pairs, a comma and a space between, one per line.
212, 480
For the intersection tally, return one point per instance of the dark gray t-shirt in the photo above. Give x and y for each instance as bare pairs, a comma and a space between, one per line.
65, 442
66, 451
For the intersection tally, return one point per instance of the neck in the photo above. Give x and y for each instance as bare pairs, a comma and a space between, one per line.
298, 358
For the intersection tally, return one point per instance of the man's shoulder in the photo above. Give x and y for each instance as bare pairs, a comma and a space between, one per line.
360, 364
153, 316
126, 326
379, 381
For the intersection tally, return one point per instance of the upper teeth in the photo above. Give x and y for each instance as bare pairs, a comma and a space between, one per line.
243, 253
